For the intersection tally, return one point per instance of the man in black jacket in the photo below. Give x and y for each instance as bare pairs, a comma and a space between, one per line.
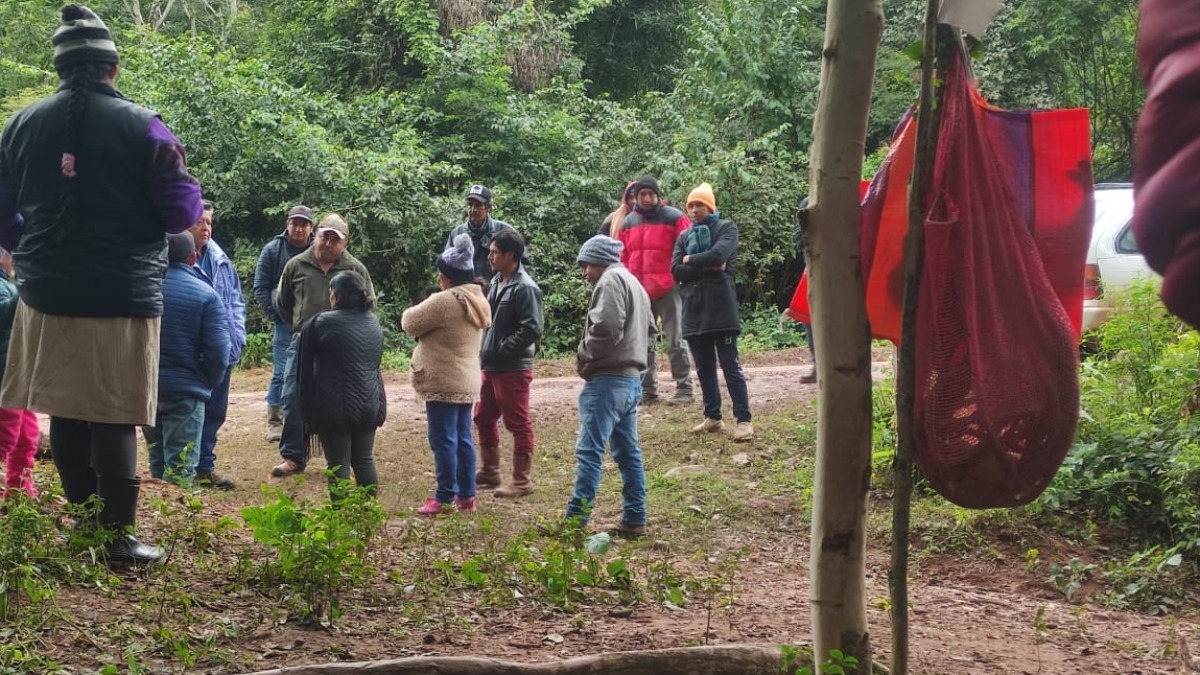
507, 359
704, 264
293, 241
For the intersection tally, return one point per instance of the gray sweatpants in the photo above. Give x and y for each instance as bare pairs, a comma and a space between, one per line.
669, 308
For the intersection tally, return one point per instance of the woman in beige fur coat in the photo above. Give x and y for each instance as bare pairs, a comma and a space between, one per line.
446, 373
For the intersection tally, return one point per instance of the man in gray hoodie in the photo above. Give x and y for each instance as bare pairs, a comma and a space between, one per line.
611, 359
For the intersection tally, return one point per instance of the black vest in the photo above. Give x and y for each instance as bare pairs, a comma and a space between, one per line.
106, 258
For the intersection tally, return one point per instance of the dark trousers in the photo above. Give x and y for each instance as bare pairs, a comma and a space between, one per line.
345, 450
291, 443
707, 351
98, 459
214, 419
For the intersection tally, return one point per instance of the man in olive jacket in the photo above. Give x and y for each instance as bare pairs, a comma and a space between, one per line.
507, 359
303, 292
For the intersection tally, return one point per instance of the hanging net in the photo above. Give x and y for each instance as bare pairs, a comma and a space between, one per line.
1001, 301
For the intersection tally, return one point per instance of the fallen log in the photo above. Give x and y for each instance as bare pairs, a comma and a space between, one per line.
713, 660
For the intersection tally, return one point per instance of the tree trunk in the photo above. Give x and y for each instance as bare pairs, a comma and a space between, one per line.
719, 660
842, 334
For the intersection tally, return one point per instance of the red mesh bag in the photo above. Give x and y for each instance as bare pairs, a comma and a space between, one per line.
997, 369
1001, 301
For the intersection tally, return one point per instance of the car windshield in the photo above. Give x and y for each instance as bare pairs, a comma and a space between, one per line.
1114, 208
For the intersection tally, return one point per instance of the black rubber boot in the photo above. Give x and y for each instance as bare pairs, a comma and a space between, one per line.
119, 514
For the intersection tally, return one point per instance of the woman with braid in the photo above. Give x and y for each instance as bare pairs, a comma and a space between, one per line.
90, 184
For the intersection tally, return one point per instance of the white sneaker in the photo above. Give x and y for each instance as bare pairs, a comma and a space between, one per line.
742, 432
708, 426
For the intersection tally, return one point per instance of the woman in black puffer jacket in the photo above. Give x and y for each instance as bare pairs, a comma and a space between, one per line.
338, 384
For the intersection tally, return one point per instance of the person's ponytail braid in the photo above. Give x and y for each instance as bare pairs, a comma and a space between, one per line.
79, 80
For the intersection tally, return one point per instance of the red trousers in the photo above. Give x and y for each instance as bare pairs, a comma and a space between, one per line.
505, 395
18, 445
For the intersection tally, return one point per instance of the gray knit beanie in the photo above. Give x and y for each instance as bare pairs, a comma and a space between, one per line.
82, 38
601, 250
458, 261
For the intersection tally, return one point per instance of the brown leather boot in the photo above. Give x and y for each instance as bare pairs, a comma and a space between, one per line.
521, 485
488, 476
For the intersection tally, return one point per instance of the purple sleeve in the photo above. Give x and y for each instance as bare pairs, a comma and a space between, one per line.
175, 193
11, 220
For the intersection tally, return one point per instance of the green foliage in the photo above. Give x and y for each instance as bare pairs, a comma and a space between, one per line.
1136, 463
321, 550
764, 328
798, 661
632, 47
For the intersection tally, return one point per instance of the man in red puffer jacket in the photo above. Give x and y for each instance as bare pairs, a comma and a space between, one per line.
1167, 159
649, 235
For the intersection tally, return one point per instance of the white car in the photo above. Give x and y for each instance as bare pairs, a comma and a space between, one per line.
1113, 260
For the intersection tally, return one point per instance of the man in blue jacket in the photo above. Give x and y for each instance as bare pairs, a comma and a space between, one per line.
220, 272
293, 241
194, 356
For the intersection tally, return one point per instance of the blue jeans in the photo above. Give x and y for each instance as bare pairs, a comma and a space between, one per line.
291, 443
707, 350
453, 451
175, 439
608, 407
281, 340
214, 418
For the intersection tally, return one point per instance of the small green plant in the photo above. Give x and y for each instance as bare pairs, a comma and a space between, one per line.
1040, 629
798, 660
320, 550
573, 562
1070, 578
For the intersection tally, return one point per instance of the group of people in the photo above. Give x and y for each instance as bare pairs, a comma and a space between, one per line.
126, 313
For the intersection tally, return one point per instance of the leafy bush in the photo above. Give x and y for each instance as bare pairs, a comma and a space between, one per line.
320, 551
764, 328
1136, 462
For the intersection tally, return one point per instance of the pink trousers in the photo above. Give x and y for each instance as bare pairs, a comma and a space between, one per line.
18, 445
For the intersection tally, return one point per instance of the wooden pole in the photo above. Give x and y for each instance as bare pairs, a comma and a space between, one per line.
928, 116
841, 332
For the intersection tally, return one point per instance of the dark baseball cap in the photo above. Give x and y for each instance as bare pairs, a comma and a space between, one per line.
480, 193
301, 211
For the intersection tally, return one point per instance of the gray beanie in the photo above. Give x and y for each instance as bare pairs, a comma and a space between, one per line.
601, 250
457, 262
180, 247
82, 38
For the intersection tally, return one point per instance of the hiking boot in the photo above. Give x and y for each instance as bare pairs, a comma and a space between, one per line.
708, 426
212, 479
809, 376
520, 485
433, 507
465, 505
274, 423
488, 476
742, 432
682, 397
286, 468
650, 398
623, 529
